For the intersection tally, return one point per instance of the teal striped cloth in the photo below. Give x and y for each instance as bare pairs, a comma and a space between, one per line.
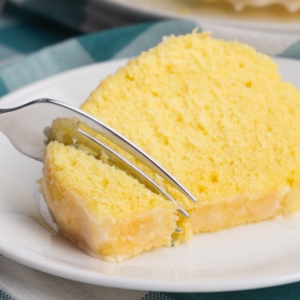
33, 47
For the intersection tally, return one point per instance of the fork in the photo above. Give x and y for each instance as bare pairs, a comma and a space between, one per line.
28, 129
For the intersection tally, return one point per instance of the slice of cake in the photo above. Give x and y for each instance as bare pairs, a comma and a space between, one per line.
106, 212
215, 114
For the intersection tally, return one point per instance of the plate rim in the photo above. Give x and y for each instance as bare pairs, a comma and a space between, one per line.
140, 10
143, 284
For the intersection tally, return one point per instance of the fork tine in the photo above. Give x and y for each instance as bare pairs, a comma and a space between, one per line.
126, 165
123, 143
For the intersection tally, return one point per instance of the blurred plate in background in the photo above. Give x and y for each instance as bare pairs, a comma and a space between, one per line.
272, 19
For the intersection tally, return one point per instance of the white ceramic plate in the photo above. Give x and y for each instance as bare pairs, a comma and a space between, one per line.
273, 18
250, 256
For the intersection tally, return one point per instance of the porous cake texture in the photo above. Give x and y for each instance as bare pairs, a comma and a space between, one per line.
215, 114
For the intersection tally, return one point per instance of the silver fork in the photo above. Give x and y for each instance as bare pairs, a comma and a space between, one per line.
28, 128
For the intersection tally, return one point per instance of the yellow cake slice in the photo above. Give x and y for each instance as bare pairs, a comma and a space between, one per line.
215, 114
106, 212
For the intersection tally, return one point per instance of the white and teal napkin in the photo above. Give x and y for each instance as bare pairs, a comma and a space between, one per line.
22, 34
